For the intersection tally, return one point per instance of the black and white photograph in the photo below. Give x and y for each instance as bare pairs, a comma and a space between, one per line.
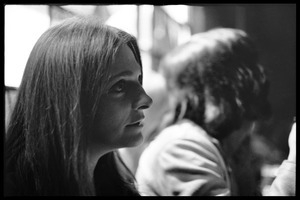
149, 99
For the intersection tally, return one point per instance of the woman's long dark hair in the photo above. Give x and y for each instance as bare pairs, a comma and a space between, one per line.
45, 148
221, 63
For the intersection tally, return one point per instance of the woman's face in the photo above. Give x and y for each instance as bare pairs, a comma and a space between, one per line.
119, 119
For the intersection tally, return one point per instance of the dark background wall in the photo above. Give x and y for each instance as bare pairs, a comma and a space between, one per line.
273, 27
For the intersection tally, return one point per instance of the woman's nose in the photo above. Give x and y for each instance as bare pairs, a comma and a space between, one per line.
143, 101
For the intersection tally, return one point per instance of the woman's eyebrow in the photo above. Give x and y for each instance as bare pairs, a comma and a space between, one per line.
123, 73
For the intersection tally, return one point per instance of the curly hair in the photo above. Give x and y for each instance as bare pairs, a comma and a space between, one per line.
221, 64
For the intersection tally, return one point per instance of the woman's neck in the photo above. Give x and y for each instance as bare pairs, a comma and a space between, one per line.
92, 158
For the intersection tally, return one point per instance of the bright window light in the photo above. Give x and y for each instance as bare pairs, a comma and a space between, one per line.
23, 26
124, 17
178, 12
85, 10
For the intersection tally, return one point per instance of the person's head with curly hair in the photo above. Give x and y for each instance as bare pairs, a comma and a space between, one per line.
217, 81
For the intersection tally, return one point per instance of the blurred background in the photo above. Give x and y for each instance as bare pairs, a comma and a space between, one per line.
158, 29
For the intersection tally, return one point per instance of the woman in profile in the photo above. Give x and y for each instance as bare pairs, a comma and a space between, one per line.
80, 99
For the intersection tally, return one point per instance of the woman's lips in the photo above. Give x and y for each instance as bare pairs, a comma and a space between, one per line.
136, 124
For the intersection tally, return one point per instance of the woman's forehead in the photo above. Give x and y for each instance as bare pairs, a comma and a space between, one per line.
124, 61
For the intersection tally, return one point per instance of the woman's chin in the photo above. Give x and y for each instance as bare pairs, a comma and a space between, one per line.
136, 141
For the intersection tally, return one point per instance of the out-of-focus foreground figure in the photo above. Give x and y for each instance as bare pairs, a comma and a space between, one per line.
218, 93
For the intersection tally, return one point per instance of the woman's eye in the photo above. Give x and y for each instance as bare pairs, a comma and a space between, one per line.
119, 86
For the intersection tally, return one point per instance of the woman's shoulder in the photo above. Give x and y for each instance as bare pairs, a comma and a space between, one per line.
184, 134
10, 184
18, 182
185, 130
